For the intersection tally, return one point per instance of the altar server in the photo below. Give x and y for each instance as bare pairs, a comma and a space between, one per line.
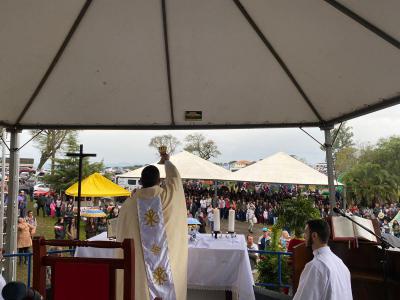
326, 276
155, 217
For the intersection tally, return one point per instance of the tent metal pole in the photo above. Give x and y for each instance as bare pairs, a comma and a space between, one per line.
329, 163
12, 206
3, 186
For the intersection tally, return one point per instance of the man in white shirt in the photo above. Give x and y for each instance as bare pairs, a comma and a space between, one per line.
208, 201
203, 204
325, 277
253, 256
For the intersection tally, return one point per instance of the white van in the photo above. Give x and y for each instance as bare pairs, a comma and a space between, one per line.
128, 183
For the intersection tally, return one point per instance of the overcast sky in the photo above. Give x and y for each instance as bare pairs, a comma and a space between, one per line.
131, 147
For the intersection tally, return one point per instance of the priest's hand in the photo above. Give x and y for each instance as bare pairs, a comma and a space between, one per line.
164, 157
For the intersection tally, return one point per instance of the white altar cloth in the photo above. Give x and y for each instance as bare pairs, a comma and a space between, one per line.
216, 264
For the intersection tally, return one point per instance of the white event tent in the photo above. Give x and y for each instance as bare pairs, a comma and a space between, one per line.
281, 168
174, 64
190, 166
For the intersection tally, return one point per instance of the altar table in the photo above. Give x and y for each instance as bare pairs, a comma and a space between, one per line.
214, 264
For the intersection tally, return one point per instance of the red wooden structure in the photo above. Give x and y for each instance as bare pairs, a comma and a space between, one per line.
83, 278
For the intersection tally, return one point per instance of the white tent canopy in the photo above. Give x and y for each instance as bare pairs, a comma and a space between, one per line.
281, 168
242, 63
190, 166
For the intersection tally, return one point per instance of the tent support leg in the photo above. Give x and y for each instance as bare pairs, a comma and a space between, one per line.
329, 163
3, 185
12, 207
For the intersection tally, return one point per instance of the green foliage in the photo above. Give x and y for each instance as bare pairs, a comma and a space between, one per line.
50, 142
346, 158
268, 266
196, 143
295, 212
375, 177
343, 140
66, 170
368, 183
386, 153
274, 242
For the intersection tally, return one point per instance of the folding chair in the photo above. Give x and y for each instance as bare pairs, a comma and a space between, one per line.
83, 278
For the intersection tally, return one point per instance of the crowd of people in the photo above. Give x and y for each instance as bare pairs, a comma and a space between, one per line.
62, 211
384, 213
258, 205
261, 205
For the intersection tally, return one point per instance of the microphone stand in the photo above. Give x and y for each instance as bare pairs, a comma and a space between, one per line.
384, 244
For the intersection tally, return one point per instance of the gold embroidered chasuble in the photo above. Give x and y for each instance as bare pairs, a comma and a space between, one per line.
175, 221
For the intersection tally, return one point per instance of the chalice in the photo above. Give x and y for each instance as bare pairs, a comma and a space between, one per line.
162, 150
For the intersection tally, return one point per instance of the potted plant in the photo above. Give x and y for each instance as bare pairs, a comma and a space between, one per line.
294, 213
268, 266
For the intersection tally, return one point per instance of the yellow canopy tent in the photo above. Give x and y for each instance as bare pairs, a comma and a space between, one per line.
96, 185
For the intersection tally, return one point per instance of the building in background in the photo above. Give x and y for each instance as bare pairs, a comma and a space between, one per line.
239, 164
321, 167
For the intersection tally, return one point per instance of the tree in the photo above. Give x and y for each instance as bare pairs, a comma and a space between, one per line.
386, 153
368, 183
66, 170
343, 140
50, 142
294, 213
346, 158
165, 140
196, 143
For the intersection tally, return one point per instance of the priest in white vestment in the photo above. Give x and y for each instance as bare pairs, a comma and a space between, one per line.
174, 220
326, 277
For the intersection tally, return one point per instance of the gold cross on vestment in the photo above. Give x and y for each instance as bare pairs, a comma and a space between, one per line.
151, 218
160, 276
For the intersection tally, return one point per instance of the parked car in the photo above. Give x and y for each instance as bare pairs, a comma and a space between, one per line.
24, 175
41, 187
28, 170
39, 193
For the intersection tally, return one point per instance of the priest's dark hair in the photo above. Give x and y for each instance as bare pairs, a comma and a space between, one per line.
321, 228
150, 176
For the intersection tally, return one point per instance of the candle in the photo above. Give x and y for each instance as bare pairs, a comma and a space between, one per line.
231, 220
217, 220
